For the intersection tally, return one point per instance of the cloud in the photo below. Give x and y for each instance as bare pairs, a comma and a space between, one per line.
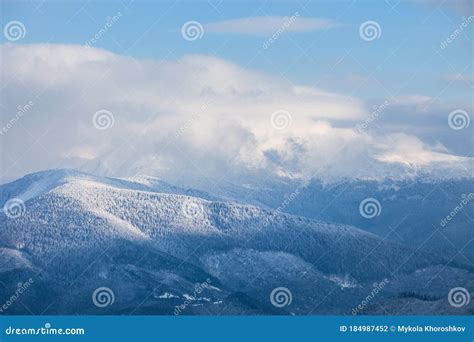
460, 78
264, 26
411, 100
197, 116
411, 151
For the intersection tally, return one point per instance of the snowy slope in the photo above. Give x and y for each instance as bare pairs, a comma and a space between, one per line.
83, 232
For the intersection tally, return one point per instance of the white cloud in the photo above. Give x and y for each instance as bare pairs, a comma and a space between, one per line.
411, 151
197, 115
263, 26
410, 100
460, 78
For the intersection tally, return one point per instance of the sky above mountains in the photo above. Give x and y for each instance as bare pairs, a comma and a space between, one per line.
293, 89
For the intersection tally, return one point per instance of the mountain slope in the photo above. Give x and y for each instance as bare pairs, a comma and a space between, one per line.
412, 209
79, 232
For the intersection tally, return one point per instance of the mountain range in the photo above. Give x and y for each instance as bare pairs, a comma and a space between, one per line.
152, 245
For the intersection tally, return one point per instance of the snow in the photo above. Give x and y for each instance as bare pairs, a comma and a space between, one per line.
343, 282
72, 217
11, 259
167, 295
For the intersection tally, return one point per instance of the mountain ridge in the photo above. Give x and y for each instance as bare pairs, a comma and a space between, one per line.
78, 227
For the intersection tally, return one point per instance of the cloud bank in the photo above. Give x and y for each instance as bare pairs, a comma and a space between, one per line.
197, 116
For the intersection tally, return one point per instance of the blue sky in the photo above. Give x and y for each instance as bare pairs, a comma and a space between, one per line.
411, 35
320, 70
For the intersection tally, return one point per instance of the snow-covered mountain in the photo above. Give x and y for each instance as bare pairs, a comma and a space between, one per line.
412, 210
151, 243
437, 214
